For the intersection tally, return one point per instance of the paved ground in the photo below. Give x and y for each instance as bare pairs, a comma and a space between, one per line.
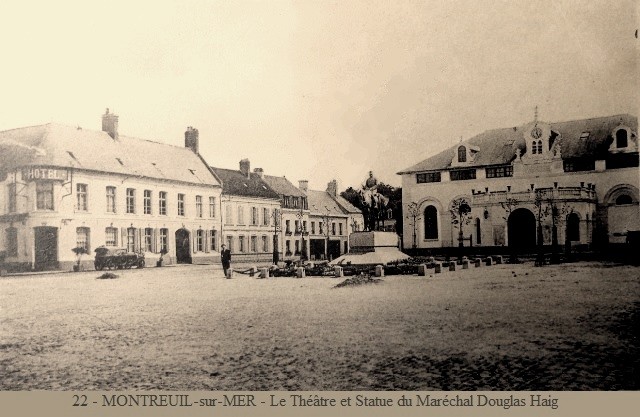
186, 328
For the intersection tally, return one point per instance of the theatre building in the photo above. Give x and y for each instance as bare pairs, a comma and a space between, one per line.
65, 187
568, 183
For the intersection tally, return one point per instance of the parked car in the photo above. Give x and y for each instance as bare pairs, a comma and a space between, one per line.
117, 258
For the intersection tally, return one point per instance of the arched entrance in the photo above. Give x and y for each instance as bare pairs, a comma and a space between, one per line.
183, 245
522, 229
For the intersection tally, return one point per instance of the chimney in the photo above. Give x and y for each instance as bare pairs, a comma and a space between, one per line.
191, 140
332, 188
260, 172
245, 167
303, 185
110, 124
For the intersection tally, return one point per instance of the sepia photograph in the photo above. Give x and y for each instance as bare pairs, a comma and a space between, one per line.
306, 195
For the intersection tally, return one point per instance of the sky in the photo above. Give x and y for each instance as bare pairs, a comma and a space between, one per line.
316, 90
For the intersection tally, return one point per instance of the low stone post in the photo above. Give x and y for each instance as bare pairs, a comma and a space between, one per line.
465, 264
300, 273
431, 260
422, 270
452, 266
478, 262
230, 273
264, 273
498, 259
337, 271
438, 267
254, 270
379, 271
489, 261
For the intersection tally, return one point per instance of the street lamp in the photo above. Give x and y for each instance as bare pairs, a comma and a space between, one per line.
276, 215
326, 232
414, 214
300, 216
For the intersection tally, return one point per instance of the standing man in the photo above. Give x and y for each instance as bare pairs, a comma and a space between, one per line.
225, 254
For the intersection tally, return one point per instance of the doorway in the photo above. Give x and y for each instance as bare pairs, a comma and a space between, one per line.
522, 230
183, 245
46, 248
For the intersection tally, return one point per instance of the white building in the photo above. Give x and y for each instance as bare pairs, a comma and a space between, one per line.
516, 186
64, 187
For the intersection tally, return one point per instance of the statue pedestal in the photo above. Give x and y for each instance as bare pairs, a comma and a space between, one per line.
372, 248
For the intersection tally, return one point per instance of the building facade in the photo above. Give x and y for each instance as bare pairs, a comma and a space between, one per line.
249, 212
66, 187
332, 219
569, 183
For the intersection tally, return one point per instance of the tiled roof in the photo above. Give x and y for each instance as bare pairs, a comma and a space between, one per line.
282, 186
347, 206
498, 146
65, 146
319, 201
235, 183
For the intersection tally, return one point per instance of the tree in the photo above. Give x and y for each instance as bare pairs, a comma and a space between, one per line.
460, 215
508, 206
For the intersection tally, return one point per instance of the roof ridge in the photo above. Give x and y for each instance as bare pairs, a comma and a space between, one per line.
27, 127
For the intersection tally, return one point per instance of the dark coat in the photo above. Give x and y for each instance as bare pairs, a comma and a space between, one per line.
226, 257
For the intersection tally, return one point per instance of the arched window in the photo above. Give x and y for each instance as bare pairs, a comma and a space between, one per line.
431, 222
624, 199
534, 147
478, 232
462, 154
573, 227
621, 138
539, 146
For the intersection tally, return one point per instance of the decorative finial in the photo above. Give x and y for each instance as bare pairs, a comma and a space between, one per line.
535, 115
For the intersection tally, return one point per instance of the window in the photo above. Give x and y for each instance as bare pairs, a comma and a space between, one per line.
200, 240
305, 204
265, 217
297, 227
624, 200
131, 200
304, 226
162, 203
212, 207
478, 232
81, 194
180, 204
265, 244
241, 247
254, 244
213, 240
340, 225
287, 201
11, 194
111, 199
499, 172
540, 147
573, 165
321, 228
297, 243
12, 241
430, 222
240, 215
573, 227
333, 228
111, 236
82, 238
164, 240
621, 139
44, 195
228, 215
428, 177
131, 239
462, 174
230, 243
148, 239
313, 228
288, 226
288, 248
296, 202
254, 216
462, 154
198, 206
147, 202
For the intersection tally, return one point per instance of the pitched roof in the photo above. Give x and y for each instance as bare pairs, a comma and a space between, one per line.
235, 183
319, 201
347, 206
65, 146
498, 146
282, 186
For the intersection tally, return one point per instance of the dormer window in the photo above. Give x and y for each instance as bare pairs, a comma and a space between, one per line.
462, 154
622, 140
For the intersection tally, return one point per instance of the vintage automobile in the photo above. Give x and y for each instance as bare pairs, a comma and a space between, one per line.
117, 258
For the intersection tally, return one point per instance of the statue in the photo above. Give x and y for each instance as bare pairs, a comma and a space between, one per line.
373, 203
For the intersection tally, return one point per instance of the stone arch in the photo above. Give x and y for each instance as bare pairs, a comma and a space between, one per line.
522, 229
621, 189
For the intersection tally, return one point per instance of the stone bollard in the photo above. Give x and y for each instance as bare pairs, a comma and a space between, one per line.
438, 267
264, 273
338, 272
300, 272
230, 273
431, 260
465, 264
253, 271
489, 261
498, 259
422, 270
452, 266
379, 271
478, 262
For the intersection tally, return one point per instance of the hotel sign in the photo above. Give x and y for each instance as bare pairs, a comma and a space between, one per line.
43, 173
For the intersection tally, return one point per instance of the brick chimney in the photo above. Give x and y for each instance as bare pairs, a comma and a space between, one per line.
110, 124
260, 172
332, 188
303, 185
245, 167
191, 139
